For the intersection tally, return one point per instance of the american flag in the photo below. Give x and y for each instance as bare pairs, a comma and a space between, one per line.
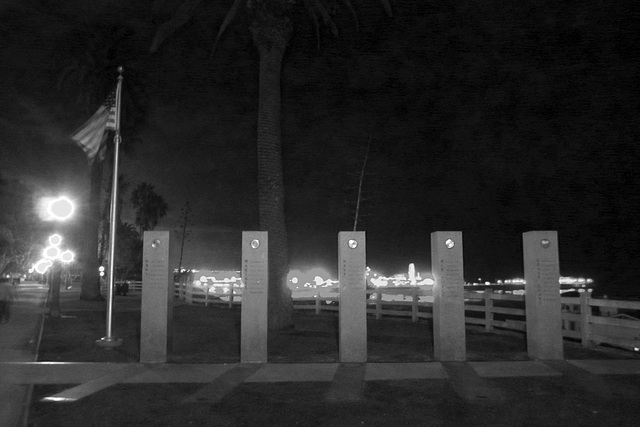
91, 135
110, 104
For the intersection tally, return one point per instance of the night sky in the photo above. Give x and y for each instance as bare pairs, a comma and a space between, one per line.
490, 117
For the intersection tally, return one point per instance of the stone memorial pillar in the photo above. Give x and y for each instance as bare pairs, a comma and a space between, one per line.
156, 319
542, 295
255, 276
353, 296
448, 296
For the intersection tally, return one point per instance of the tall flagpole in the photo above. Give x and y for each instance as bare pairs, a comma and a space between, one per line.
109, 340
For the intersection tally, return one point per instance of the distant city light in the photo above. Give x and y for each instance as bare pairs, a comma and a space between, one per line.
564, 280
320, 278
316, 277
218, 278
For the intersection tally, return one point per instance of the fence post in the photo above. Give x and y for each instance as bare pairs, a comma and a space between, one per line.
488, 310
378, 305
231, 296
585, 319
414, 305
318, 303
206, 297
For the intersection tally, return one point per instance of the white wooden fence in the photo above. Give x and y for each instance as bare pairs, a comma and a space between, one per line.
225, 295
134, 286
592, 321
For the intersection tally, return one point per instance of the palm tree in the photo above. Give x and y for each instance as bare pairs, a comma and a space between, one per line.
86, 64
271, 28
129, 254
149, 206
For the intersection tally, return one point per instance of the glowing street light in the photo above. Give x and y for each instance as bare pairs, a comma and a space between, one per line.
55, 209
67, 256
43, 265
60, 208
51, 252
55, 240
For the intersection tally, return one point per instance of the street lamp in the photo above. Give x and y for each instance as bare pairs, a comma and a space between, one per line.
60, 208
51, 252
57, 209
55, 239
67, 256
42, 266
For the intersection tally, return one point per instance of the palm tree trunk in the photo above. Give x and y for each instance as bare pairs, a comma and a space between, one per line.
271, 34
90, 289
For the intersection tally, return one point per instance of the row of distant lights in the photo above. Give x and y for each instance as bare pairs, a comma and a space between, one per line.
403, 280
568, 280
376, 280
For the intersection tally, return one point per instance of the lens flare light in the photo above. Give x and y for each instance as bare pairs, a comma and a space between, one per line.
60, 208
43, 265
55, 240
67, 256
51, 252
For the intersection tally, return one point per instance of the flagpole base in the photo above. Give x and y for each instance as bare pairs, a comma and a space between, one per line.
109, 342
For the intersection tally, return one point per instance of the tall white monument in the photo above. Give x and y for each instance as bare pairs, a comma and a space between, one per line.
448, 296
353, 296
542, 295
156, 318
254, 315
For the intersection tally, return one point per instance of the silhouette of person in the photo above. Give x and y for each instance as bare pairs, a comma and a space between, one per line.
6, 298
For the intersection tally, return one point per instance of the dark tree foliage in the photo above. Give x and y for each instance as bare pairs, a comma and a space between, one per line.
150, 206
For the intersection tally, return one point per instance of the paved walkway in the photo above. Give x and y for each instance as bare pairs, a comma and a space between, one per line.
466, 378
18, 343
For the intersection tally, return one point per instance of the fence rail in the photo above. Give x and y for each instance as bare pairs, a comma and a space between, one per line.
590, 320
133, 286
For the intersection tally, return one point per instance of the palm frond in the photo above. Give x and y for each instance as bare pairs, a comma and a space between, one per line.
325, 17
315, 7
314, 18
387, 7
182, 15
231, 14
354, 14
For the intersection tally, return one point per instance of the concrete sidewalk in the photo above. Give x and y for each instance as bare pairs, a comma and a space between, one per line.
464, 377
18, 344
